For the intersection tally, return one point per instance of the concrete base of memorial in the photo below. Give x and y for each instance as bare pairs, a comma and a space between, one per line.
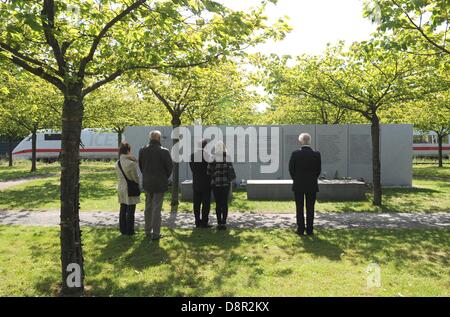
187, 192
331, 190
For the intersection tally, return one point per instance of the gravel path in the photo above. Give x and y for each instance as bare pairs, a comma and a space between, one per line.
244, 220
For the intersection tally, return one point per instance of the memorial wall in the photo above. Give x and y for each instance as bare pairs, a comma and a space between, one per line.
345, 150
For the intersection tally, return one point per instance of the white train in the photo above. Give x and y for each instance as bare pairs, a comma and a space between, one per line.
95, 144
426, 145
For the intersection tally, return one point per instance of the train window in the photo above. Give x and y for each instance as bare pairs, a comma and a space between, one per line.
421, 139
429, 139
432, 139
52, 137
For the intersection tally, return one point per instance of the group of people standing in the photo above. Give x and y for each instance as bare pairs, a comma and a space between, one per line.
212, 173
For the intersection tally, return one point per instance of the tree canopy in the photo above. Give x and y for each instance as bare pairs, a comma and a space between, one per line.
424, 21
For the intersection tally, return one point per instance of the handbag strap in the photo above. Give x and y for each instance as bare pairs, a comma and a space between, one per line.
123, 173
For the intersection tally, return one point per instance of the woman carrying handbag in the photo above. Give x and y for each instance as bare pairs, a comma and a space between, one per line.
128, 188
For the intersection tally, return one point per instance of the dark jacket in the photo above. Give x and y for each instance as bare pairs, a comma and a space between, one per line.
156, 165
221, 171
201, 180
305, 168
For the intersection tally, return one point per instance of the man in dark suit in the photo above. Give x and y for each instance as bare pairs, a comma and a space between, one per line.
305, 169
156, 166
201, 186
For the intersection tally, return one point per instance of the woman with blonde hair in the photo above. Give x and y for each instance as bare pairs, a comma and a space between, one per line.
222, 174
128, 188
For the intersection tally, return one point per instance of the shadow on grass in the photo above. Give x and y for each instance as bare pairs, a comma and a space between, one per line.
183, 254
31, 196
14, 173
398, 247
39, 193
134, 266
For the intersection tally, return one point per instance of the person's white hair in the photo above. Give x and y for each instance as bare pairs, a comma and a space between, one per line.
304, 139
155, 135
220, 147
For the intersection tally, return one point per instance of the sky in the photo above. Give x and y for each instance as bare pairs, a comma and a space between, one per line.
315, 23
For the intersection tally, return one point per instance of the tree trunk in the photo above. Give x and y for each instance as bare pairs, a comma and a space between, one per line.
33, 149
119, 140
376, 161
71, 247
10, 151
176, 123
440, 138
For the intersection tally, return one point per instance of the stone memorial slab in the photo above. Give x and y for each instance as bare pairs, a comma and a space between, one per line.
345, 149
329, 190
360, 152
396, 155
332, 144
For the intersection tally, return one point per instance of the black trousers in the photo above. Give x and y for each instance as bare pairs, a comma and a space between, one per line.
300, 206
126, 219
221, 197
202, 202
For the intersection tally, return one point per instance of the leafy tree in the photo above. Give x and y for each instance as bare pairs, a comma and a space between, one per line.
287, 109
366, 80
205, 94
223, 96
31, 104
117, 106
8, 128
426, 21
79, 46
11, 133
429, 114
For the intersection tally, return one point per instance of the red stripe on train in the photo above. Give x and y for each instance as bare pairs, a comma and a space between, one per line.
107, 150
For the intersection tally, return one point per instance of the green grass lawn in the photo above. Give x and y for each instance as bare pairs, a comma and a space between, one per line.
232, 263
22, 169
430, 193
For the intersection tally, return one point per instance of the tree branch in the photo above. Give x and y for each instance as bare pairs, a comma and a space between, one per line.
101, 82
329, 101
38, 71
24, 57
103, 32
163, 100
48, 24
120, 72
418, 28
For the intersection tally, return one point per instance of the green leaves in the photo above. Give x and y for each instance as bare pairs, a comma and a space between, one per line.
364, 79
417, 24
27, 102
158, 34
